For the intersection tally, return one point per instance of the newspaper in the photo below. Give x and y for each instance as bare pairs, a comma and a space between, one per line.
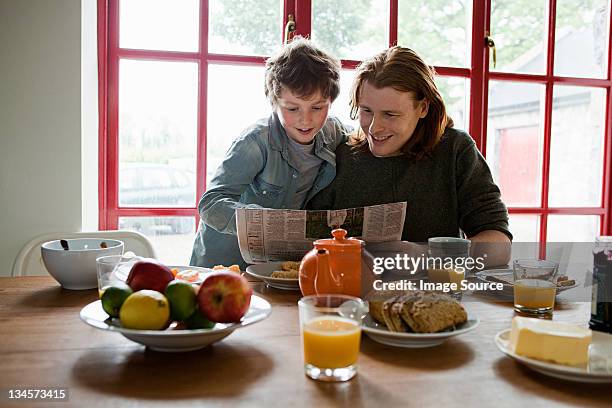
266, 234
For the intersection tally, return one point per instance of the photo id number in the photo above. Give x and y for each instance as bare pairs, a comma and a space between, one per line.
33, 394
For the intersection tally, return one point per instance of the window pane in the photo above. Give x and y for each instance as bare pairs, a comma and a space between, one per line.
341, 107
581, 38
519, 29
231, 110
356, 31
172, 237
572, 228
455, 92
157, 133
159, 24
514, 140
246, 27
439, 31
525, 227
576, 153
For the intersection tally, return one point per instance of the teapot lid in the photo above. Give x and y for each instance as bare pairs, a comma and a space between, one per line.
339, 239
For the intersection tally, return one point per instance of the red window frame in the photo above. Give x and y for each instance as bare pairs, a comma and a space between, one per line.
109, 55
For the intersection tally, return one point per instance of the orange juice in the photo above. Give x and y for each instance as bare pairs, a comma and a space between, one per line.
331, 342
534, 293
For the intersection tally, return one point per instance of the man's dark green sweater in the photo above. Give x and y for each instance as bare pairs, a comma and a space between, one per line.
449, 192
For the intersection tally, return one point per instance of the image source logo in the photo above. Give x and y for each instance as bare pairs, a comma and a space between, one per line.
413, 264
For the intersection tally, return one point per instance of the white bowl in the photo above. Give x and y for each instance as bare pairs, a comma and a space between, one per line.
75, 268
176, 340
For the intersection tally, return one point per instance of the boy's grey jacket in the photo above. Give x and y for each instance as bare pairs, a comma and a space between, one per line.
257, 172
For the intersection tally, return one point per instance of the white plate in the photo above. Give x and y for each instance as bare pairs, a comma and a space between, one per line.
200, 270
381, 334
175, 340
508, 288
598, 370
123, 274
263, 272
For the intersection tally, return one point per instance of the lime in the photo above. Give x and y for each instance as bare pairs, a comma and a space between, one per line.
113, 297
145, 310
182, 298
198, 321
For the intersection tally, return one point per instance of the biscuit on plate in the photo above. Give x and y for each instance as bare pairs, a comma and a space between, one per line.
290, 265
291, 274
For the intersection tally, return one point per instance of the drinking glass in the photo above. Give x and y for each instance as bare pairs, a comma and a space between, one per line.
447, 262
330, 327
534, 287
112, 269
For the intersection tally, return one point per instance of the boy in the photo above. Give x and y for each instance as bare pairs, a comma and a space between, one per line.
281, 161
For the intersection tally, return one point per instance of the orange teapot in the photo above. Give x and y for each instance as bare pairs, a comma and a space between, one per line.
334, 265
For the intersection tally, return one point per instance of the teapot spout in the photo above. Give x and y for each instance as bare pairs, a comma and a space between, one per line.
324, 279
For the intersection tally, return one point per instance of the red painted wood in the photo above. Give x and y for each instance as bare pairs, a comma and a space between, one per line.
112, 146
544, 79
157, 55
558, 210
606, 224
548, 108
235, 59
393, 22
303, 17
350, 64
102, 13
444, 71
593, 82
452, 71
150, 212
202, 107
517, 77
479, 67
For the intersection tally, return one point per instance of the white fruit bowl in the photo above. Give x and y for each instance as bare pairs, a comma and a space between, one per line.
172, 340
75, 268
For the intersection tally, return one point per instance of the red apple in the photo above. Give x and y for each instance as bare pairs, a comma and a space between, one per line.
224, 297
149, 274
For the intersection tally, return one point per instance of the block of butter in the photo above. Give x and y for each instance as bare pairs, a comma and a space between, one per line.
550, 341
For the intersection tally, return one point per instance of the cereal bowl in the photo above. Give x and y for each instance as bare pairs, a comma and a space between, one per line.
75, 267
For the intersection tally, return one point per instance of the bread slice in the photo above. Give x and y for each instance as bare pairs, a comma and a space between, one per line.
376, 299
391, 317
396, 317
376, 310
430, 312
416, 311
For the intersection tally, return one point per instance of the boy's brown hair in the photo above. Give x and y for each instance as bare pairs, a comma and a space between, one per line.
404, 70
304, 69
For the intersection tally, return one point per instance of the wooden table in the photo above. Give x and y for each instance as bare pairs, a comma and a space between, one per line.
43, 343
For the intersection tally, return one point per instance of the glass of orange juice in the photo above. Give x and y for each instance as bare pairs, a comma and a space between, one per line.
330, 327
534, 286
